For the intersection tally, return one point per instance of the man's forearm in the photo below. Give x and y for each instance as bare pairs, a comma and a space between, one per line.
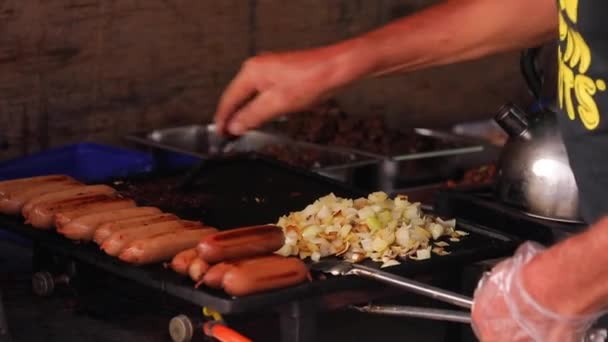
571, 278
453, 31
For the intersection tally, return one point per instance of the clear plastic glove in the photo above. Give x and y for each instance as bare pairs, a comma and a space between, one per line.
504, 311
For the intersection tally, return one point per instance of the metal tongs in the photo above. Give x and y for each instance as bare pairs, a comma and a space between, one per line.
343, 268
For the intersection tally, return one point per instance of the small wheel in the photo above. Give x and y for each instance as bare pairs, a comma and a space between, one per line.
43, 284
181, 329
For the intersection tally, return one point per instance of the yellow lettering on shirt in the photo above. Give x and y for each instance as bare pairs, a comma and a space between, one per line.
573, 64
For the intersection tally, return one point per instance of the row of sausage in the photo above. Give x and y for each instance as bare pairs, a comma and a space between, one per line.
240, 260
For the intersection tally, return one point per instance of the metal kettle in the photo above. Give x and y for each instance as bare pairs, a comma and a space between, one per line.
533, 170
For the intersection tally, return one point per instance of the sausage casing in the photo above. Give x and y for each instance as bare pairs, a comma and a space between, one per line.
13, 202
264, 274
11, 185
215, 275
41, 216
83, 227
241, 243
73, 193
163, 247
106, 229
182, 260
62, 218
116, 242
197, 269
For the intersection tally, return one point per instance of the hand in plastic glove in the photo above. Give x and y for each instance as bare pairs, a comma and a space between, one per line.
504, 310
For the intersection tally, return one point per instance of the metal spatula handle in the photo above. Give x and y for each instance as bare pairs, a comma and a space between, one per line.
413, 286
417, 312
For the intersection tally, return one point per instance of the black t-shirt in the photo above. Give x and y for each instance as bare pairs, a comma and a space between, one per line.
582, 99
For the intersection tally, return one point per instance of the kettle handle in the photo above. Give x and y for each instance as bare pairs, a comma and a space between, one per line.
531, 73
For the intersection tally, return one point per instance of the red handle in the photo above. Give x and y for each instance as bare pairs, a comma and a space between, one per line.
223, 333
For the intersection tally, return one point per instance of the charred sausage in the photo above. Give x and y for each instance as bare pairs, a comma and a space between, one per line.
241, 243
215, 275
106, 229
263, 274
8, 186
182, 260
77, 192
83, 227
41, 216
116, 242
62, 218
163, 247
13, 202
197, 269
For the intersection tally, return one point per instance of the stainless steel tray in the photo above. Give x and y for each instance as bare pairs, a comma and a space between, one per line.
403, 170
200, 140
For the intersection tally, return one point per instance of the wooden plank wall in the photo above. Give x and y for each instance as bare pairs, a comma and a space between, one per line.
73, 70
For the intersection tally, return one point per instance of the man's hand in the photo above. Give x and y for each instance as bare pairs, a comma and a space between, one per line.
274, 84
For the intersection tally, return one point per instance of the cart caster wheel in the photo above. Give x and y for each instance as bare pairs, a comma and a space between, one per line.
43, 283
181, 329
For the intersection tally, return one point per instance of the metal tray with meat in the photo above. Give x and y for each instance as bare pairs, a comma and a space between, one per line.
201, 141
241, 191
408, 157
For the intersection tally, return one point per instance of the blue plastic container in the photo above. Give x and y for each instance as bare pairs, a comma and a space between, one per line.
87, 162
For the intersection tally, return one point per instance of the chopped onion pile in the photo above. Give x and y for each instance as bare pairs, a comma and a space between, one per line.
375, 227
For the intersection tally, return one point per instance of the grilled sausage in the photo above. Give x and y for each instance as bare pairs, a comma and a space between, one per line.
163, 247
78, 192
8, 186
111, 204
83, 227
196, 270
215, 275
263, 274
106, 229
116, 242
13, 202
241, 243
182, 260
41, 216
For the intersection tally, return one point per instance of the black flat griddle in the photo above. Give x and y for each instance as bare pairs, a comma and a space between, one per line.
278, 189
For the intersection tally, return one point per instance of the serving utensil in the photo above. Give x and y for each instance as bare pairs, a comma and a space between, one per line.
343, 268
416, 312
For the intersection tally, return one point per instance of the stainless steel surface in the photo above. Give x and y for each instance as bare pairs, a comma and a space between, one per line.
416, 312
202, 141
534, 172
404, 170
345, 268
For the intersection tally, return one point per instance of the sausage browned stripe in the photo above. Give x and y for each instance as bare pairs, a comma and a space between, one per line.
263, 274
163, 247
111, 204
241, 243
116, 242
106, 229
182, 260
8, 186
41, 216
13, 202
83, 227
196, 270
77, 192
